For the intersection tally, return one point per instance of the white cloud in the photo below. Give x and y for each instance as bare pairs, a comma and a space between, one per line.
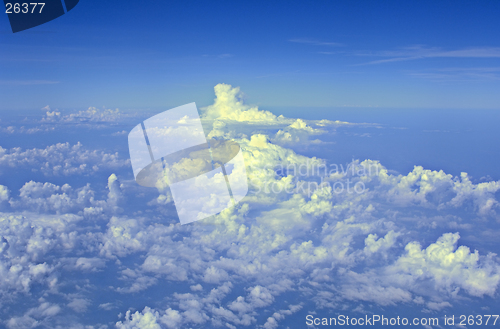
25, 130
107, 306
4, 193
147, 319
438, 306
197, 287
25, 244
79, 305
228, 105
89, 264
92, 114
34, 317
115, 194
60, 159
51, 198
294, 242
373, 244
122, 237
307, 242
426, 188
298, 131
448, 266
272, 322
230, 117
214, 275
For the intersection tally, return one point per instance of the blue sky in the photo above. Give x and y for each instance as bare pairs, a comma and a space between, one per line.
330, 54
295, 85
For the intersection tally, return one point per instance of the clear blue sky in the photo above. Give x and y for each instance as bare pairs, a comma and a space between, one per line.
131, 54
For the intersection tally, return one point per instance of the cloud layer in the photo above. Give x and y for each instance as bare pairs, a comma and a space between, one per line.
310, 235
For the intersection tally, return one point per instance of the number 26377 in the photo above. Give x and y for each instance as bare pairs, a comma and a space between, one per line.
24, 8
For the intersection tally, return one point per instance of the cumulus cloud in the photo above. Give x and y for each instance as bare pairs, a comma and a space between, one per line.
296, 132
79, 305
373, 244
56, 120
25, 130
27, 243
34, 317
90, 115
115, 192
59, 159
230, 117
229, 105
47, 197
50, 198
430, 189
4, 193
296, 234
150, 319
448, 266
271, 246
272, 322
